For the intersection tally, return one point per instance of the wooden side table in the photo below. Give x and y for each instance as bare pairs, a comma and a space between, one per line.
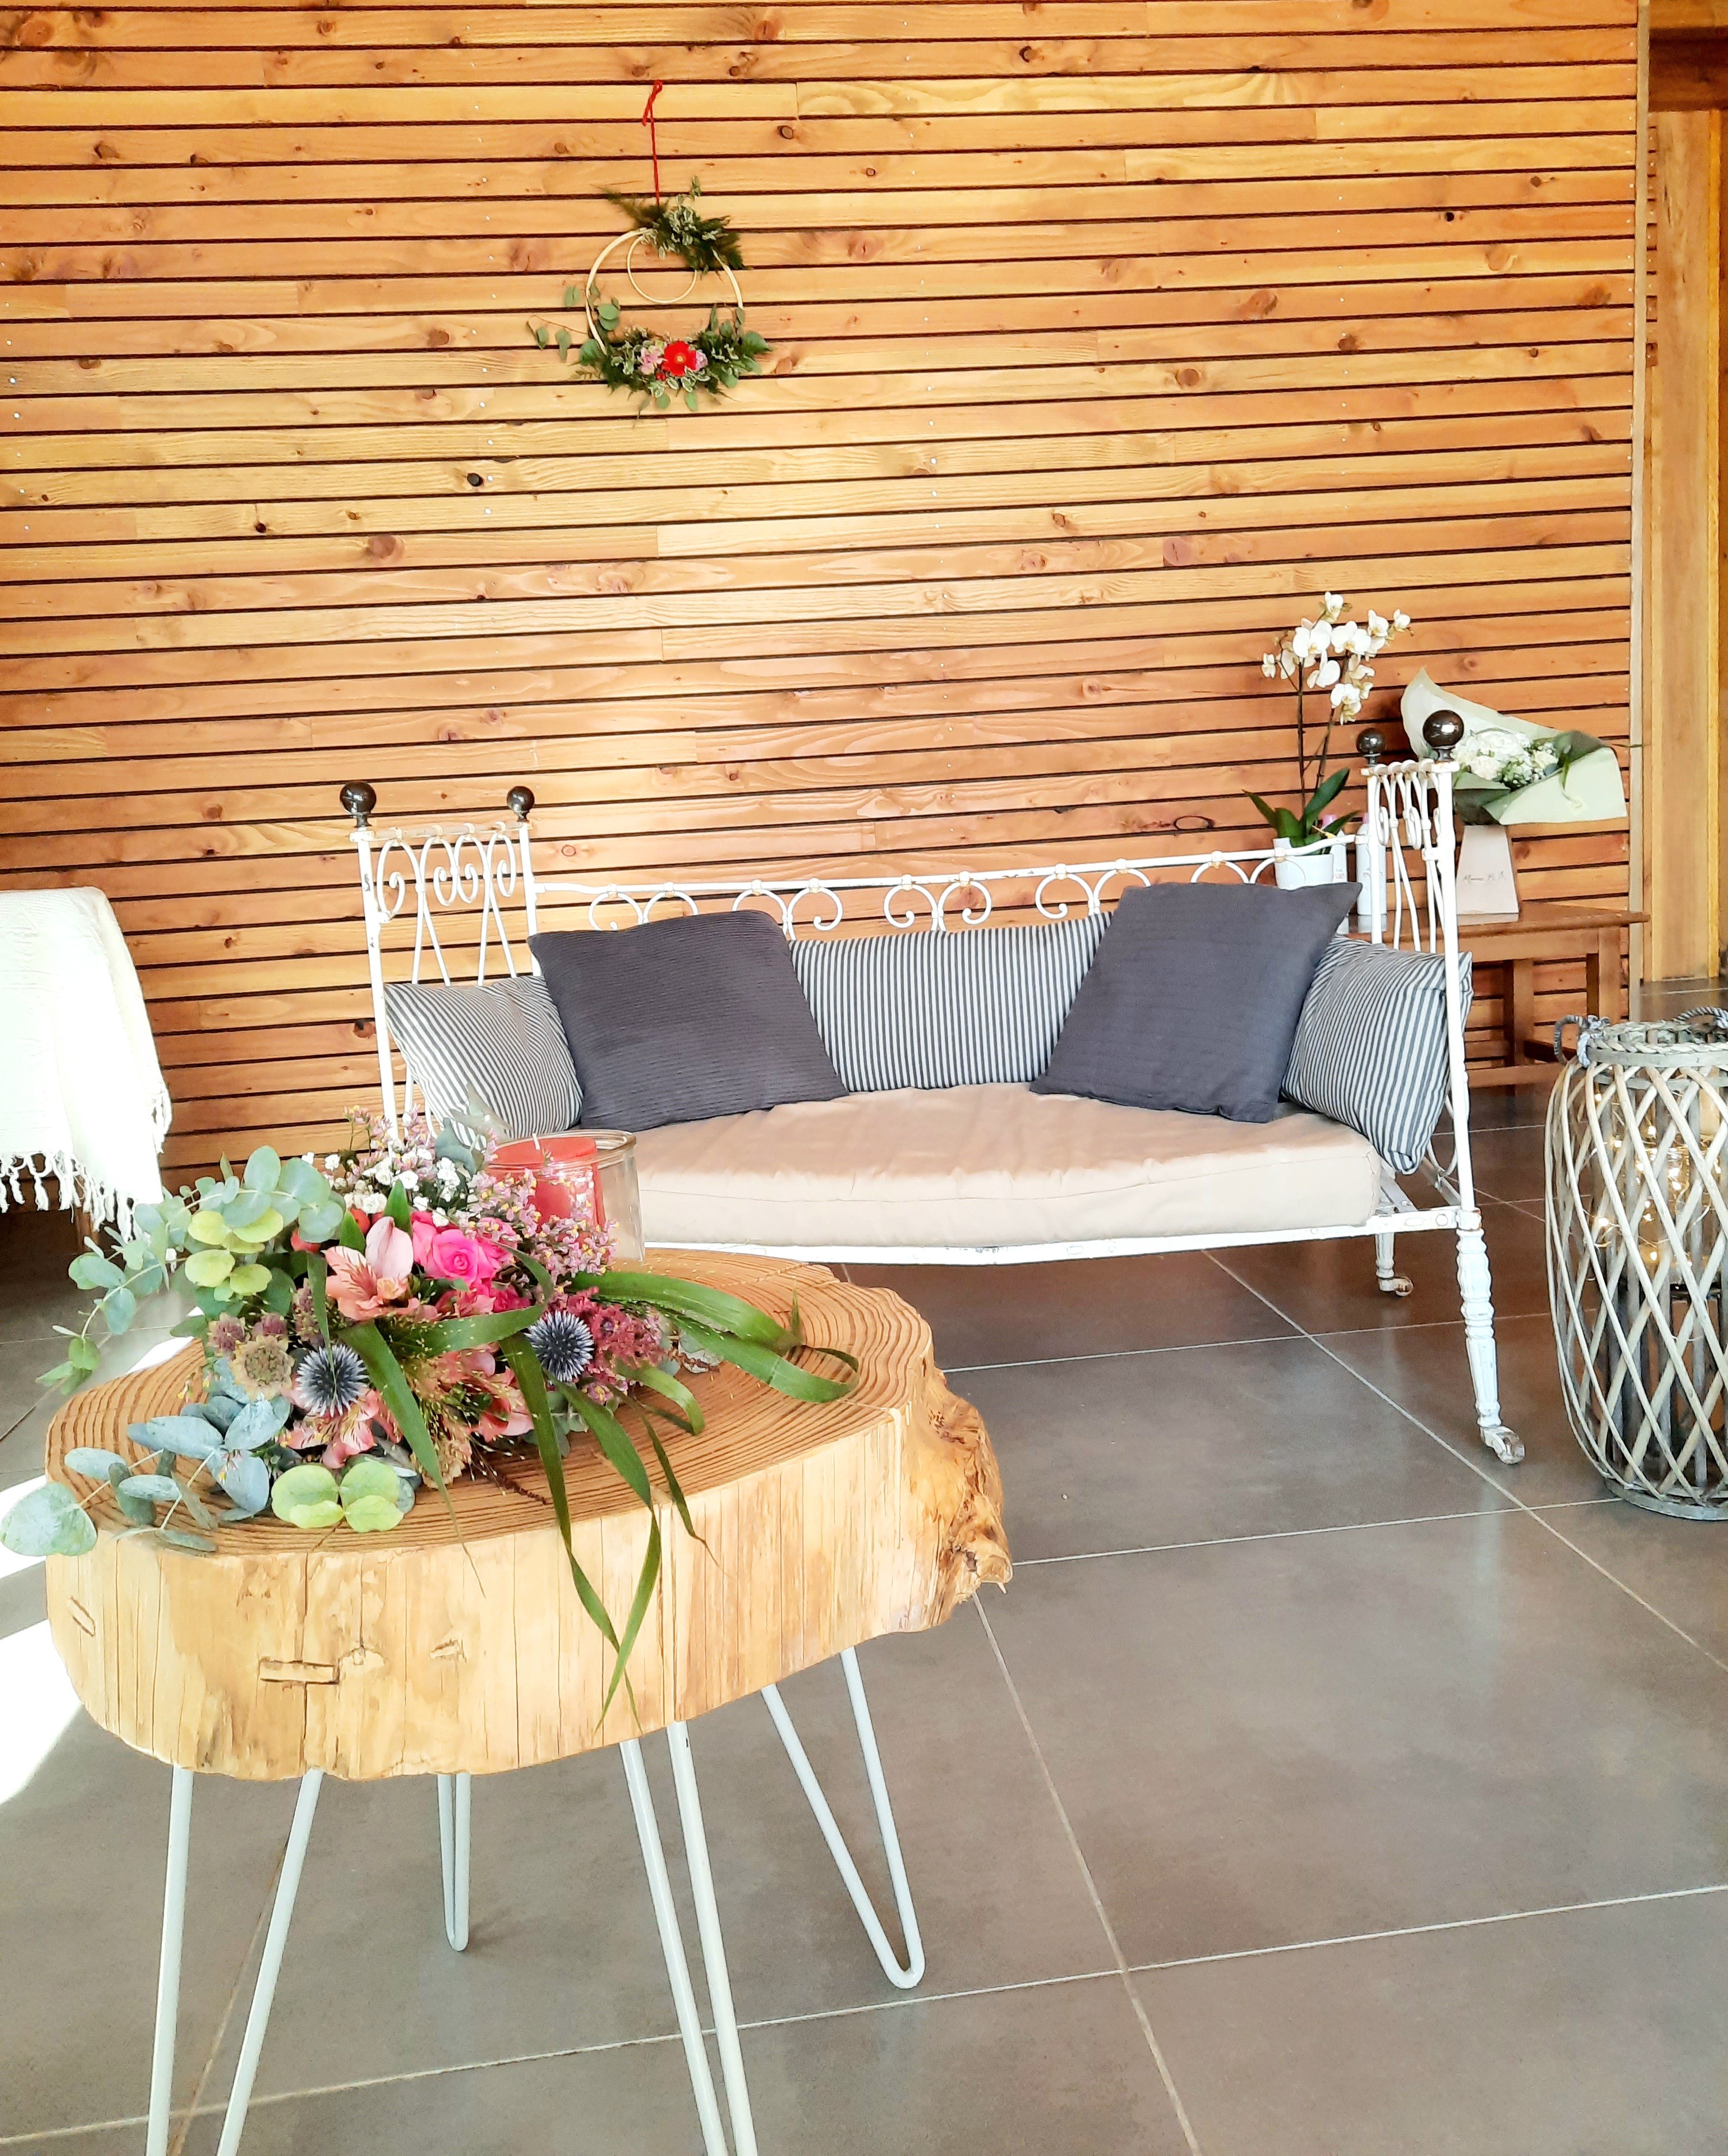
1544, 930
287, 1654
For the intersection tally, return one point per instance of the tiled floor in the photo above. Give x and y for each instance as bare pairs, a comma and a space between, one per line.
1318, 1788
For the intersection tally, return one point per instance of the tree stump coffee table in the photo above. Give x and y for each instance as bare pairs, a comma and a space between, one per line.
287, 1654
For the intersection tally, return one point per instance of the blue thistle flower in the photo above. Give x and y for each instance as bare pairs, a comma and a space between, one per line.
562, 1345
328, 1380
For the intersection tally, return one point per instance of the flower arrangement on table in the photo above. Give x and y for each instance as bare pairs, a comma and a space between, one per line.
1334, 657
404, 1316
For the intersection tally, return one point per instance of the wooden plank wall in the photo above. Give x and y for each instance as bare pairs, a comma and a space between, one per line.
1108, 333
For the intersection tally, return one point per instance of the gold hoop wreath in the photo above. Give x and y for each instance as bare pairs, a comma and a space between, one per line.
629, 356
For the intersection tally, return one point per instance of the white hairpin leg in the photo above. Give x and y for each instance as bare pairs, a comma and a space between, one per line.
168, 1981
905, 1974
671, 1946
455, 1819
1475, 1290
270, 1968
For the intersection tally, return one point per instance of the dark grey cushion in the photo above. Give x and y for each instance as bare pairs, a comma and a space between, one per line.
1193, 999
679, 1020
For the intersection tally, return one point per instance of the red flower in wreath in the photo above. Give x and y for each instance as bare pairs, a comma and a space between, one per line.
680, 359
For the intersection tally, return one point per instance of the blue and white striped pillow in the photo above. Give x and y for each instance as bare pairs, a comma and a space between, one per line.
935, 1007
500, 1041
1370, 1045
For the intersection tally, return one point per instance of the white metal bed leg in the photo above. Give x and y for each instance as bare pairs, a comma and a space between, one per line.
910, 1972
1391, 1280
1475, 1290
168, 1981
455, 1821
270, 1968
671, 1946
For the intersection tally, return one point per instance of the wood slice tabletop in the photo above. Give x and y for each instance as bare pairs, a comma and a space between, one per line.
427, 1649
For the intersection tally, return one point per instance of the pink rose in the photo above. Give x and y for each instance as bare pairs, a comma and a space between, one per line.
457, 1255
424, 1229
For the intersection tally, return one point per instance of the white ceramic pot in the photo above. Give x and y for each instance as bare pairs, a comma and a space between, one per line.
1296, 867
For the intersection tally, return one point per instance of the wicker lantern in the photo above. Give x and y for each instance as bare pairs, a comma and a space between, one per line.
1638, 1235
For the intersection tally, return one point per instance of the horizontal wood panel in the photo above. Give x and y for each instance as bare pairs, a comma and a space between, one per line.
1108, 335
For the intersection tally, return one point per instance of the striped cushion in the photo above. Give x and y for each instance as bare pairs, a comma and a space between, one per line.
498, 1040
931, 1008
1370, 1045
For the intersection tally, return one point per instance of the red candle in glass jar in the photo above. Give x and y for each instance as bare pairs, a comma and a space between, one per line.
557, 1197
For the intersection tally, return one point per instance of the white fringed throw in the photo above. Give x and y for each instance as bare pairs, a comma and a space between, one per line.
81, 1093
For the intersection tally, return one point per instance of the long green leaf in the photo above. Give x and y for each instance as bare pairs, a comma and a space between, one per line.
638, 1610
708, 1305
521, 1358
317, 1273
485, 1330
613, 1440
690, 1417
760, 1362
674, 1489
387, 1374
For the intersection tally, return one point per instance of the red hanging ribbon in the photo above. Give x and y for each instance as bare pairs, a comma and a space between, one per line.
653, 137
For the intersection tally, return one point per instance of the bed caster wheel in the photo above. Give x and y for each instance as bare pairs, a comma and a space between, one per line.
1399, 1284
1505, 1443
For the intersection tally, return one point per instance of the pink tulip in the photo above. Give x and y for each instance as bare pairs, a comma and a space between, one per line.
389, 1252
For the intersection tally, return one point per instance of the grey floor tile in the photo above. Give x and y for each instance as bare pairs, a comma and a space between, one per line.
1592, 2033
1505, 1107
1426, 1372
1317, 1736
988, 1314
1330, 1287
82, 1847
1026, 2073
1508, 1162
564, 1946
1188, 1444
1679, 1567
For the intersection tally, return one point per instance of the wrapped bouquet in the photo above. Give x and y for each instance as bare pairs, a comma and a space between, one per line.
405, 1315
1513, 771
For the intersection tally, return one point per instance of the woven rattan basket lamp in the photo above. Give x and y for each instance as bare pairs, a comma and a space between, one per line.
1638, 1235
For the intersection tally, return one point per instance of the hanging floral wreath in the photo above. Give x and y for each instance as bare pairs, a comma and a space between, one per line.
710, 360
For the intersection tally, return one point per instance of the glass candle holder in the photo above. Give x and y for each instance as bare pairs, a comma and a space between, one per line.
599, 1165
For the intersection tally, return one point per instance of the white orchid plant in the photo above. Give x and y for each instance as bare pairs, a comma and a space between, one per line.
1334, 658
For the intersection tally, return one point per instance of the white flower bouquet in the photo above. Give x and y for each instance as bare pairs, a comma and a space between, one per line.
1513, 771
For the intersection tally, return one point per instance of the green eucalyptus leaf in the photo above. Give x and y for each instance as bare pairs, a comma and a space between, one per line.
81, 1353
246, 1480
48, 1523
368, 1476
119, 1307
91, 1270
94, 1462
181, 1539
264, 1171
256, 1423
62, 1375
159, 1489
190, 1436
372, 1515
306, 1497
319, 1219
201, 1513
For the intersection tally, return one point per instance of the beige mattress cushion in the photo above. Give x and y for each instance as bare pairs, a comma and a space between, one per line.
993, 1166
